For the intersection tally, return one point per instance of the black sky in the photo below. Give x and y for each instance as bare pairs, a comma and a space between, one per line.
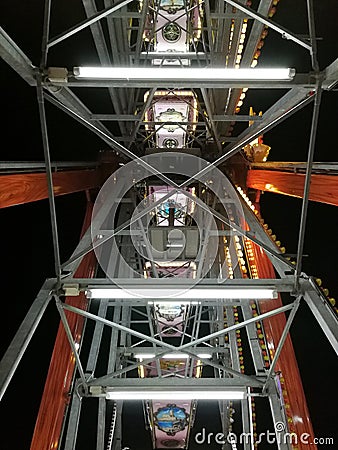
26, 245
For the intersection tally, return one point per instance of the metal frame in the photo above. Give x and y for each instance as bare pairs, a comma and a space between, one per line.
297, 284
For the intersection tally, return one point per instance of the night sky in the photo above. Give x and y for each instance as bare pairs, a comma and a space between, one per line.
26, 244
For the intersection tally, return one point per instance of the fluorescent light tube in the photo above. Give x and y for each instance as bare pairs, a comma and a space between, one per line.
170, 304
176, 395
174, 73
144, 355
176, 356
195, 293
171, 355
204, 355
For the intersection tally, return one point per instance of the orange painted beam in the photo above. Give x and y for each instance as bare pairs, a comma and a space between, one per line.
16, 189
293, 392
324, 188
55, 396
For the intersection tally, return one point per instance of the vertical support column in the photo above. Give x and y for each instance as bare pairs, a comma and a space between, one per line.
73, 423
117, 442
101, 424
307, 182
248, 443
52, 210
282, 435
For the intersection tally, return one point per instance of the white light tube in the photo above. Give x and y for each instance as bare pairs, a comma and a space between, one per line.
204, 355
176, 356
171, 355
144, 355
195, 293
176, 395
170, 304
174, 73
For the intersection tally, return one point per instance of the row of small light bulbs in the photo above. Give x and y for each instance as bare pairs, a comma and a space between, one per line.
278, 243
326, 292
265, 225
254, 273
267, 355
251, 258
238, 247
260, 335
258, 48
240, 256
250, 254
228, 258
286, 398
247, 200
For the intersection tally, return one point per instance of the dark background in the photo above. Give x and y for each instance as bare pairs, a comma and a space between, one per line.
26, 245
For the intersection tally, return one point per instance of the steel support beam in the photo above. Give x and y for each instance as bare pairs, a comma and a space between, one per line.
248, 443
117, 441
255, 34
103, 54
307, 182
299, 80
101, 424
17, 348
49, 178
71, 341
323, 313
68, 99
312, 34
283, 338
86, 23
45, 34
330, 76
281, 30
255, 348
279, 419
106, 137
73, 422
16, 58
184, 347
96, 339
169, 383
291, 102
208, 108
280, 285
14, 166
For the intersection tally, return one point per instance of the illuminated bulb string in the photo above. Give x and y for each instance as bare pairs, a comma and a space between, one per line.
257, 51
266, 353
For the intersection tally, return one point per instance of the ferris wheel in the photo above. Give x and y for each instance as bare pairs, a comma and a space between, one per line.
178, 291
